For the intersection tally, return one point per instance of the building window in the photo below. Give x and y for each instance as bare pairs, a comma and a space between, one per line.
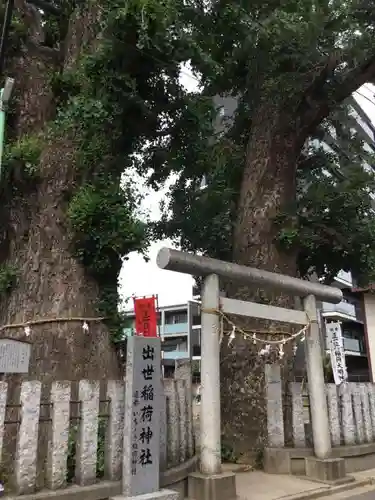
196, 320
170, 345
182, 346
175, 344
176, 318
196, 350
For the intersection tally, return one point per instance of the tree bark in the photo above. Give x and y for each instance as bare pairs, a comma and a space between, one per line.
267, 187
50, 281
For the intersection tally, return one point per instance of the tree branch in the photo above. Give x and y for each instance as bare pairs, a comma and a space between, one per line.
320, 74
46, 6
317, 102
354, 79
32, 18
45, 52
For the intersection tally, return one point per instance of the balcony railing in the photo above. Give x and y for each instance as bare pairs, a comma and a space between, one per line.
175, 354
175, 329
340, 308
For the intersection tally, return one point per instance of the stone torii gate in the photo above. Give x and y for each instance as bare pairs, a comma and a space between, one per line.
211, 483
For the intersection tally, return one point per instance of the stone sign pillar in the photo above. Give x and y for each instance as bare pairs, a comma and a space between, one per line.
142, 421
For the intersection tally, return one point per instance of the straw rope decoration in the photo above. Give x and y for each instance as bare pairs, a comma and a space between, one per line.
26, 326
254, 335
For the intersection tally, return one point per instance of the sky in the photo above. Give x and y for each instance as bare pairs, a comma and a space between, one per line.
144, 279
138, 278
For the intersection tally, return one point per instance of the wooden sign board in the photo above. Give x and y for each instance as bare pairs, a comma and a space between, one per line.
14, 356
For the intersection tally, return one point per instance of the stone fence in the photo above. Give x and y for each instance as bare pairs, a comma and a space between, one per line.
351, 409
68, 441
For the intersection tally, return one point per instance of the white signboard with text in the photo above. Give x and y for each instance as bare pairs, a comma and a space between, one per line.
337, 352
143, 406
14, 356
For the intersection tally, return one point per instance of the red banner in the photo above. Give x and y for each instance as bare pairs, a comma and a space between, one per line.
145, 317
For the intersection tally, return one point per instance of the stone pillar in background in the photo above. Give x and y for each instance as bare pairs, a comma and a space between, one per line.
183, 371
114, 432
366, 412
347, 415
274, 398
58, 449
333, 411
27, 443
298, 421
358, 413
87, 443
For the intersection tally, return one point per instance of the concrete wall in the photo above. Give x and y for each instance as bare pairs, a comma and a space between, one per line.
174, 479
292, 460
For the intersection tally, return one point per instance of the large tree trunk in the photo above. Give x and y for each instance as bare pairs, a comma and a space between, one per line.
268, 185
50, 282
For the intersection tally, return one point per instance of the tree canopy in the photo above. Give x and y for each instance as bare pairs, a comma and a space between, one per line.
304, 57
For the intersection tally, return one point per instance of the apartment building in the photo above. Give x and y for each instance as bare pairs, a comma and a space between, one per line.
354, 311
179, 329
352, 315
